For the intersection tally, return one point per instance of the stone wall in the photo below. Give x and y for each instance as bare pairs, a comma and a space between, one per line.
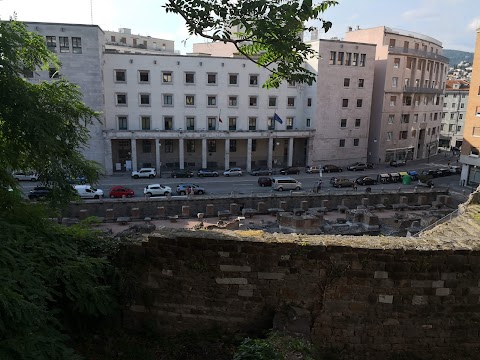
363, 303
198, 204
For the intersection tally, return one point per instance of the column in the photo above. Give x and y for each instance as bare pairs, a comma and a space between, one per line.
249, 155
204, 153
227, 154
181, 152
108, 157
134, 155
290, 151
270, 153
310, 156
158, 163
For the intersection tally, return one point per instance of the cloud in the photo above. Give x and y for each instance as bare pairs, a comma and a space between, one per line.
474, 24
423, 14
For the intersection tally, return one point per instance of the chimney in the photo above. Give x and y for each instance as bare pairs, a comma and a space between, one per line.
349, 28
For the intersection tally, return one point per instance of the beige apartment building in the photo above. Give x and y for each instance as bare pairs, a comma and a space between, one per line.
471, 135
454, 112
407, 103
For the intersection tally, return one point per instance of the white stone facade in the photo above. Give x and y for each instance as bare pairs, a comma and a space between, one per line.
454, 113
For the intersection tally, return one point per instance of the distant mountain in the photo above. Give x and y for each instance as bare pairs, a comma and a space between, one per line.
457, 56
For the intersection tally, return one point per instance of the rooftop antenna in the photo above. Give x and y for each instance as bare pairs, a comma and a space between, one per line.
91, 11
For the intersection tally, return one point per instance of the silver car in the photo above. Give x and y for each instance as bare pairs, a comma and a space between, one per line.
25, 176
233, 172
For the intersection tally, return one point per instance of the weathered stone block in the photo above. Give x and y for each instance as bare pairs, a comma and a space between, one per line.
365, 202
262, 207
83, 214
421, 283
449, 276
403, 200
283, 205
380, 275
271, 276
422, 200
304, 205
224, 254
442, 291
167, 272
185, 211
161, 212
236, 268
419, 300
438, 284
245, 292
109, 215
135, 213
386, 299
209, 210
325, 203
231, 281
234, 209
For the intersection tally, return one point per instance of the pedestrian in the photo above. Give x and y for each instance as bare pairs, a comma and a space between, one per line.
319, 185
188, 190
354, 185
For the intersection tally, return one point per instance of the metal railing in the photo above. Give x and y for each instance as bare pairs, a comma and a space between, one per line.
446, 218
419, 53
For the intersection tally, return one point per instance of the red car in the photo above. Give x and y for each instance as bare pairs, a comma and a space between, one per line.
121, 192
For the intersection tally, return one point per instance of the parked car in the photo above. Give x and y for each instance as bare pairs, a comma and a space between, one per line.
144, 173
425, 180
264, 181
261, 171
157, 189
290, 170
233, 172
333, 179
431, 172
121, 192
312, 169
25, 176
343, 182
182, 174
358, 166
88, 192
454, 169
39, 193
332, 168
281, 183
397, 163
82, 180
365, 180
444, 172
206, 173
195, 189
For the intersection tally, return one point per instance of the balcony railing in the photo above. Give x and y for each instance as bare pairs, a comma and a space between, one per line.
419, 53
425, 90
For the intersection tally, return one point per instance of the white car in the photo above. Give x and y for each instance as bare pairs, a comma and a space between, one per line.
144, 173
157, 189
233, 172
25, 176
88, 192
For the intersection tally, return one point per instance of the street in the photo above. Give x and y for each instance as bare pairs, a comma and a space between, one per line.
247, 184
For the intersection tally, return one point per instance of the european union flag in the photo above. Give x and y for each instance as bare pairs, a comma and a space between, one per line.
277, 118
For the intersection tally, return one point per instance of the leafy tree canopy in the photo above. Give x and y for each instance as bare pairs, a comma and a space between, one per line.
270, 31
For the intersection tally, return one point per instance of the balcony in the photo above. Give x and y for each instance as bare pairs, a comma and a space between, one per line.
423, 90
418, 53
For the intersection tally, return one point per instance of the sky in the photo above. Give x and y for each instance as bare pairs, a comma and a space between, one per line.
453, 22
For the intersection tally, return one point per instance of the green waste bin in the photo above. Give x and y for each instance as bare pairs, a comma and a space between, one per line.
406, 180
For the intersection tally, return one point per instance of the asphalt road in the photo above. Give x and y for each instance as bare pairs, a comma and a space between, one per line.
247, 184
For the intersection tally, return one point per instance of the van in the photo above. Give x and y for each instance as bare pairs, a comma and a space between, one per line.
281, 183
88, 192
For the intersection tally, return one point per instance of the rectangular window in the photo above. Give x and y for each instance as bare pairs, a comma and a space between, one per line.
452, 116
254, 144
167, 77
477, 111
462, 106
272, 101
355, 59
189, 78
356, 142
233, 145
389, 136
309, 102
212, 79
168, 122
76, 45
64, 44
233, 79
340, 58
396, 63
253, 80
212, 123
270, 123
145, 122
307, 123
232, 101
343, 123
290, 101
121, 99
359, 103
189, 100
169, 146
232, 123
415, 118
393, 100
409, 63
476, 131
143, 76
145, 99
394, 82
252, 123
357, 123
190, 146
211, 100
212, 145
348, 59
190, 123
460, 116
408, 100
289, 123
346, 82
122, 123
333, 60
363, 58
146, 146
341, 143
292, 83
344, 103
403, 135
391, 119
361, 83
459, 128
167, 100
51, 43
252, 101
405, 119
391, 43
120, 76
454, 105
